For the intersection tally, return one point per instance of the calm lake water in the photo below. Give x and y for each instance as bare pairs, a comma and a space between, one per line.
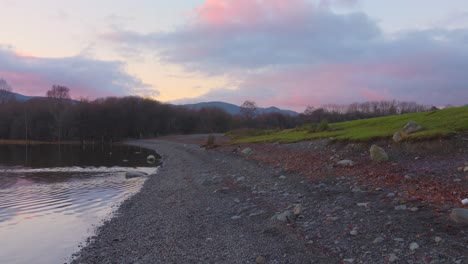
52, 197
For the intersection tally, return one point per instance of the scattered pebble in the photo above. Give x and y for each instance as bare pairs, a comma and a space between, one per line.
348, 260
282, 177
400, 207
413, 246
378, 240
353, 232
392, 257
437, 239
236, 217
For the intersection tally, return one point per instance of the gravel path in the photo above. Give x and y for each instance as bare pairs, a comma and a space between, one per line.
213, 206
198, 209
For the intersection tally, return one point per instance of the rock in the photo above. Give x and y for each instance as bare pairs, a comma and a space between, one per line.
391, 194
378, 240
414, 209
411, 127
459, 215
437, 239
151, 159
400, 207
398, 239
134, 174
464, 201
282, 177
236, 217
378, 154
260, 260
247, 151
297, 210
239, 179
392, 257
413, 246
345, 163
353, 232
285, 216
397, 137
348, 260
465, 169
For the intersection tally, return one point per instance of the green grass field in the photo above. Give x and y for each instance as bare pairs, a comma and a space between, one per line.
435, 124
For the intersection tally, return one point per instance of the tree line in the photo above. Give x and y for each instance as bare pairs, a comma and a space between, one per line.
57, 117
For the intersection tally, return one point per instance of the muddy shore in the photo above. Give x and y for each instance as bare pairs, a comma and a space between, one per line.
221, 206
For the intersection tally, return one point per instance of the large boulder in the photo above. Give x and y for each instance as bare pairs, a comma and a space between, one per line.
378, 154
459, 215
411, 127
397, 136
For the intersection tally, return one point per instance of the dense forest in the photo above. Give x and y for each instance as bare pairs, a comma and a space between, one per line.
57, 117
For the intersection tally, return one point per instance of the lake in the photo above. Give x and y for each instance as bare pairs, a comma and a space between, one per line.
53, 197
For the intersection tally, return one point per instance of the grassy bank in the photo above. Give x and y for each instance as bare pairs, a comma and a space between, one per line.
435, 124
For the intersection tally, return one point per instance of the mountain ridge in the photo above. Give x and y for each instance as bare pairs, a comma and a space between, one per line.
235, 110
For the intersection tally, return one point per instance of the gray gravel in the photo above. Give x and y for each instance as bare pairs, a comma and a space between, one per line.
195, 210
221, 206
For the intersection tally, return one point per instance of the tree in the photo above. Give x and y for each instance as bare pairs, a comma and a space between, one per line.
61, 97
59, 92
6, 94
248, 109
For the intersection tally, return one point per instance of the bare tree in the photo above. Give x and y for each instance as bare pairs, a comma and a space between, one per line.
248, 109
61, 98
6, 94
59, 92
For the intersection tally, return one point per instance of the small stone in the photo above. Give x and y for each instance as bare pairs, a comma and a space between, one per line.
400, 207
390, 195
408, 177
332, 218
414, 209
284, 216
297, 209
348, 260
437, 239
282, 177
413, 246
237, 200
378, 240
398, 239
260, 260
236, 217
459, 215
465, 169
392, 257
239, 179
345, 163
457, 180
247, 151
353, 232
322, 185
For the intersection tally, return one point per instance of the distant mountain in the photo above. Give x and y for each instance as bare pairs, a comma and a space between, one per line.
234, 109
22, 98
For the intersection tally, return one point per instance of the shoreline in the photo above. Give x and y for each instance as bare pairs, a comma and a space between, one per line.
216, 206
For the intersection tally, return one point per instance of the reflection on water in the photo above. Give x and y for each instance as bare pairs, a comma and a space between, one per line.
50, 201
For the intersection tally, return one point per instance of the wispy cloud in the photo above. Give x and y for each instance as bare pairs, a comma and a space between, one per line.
86, 77
294, 53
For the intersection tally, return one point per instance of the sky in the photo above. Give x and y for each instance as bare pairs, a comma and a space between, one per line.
287, 53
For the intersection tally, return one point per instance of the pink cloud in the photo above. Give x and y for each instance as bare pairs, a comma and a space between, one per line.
85, 77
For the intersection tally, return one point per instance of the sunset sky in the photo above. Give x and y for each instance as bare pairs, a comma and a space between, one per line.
287, 53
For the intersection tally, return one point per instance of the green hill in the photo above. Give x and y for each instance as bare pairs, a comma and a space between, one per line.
435, 124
